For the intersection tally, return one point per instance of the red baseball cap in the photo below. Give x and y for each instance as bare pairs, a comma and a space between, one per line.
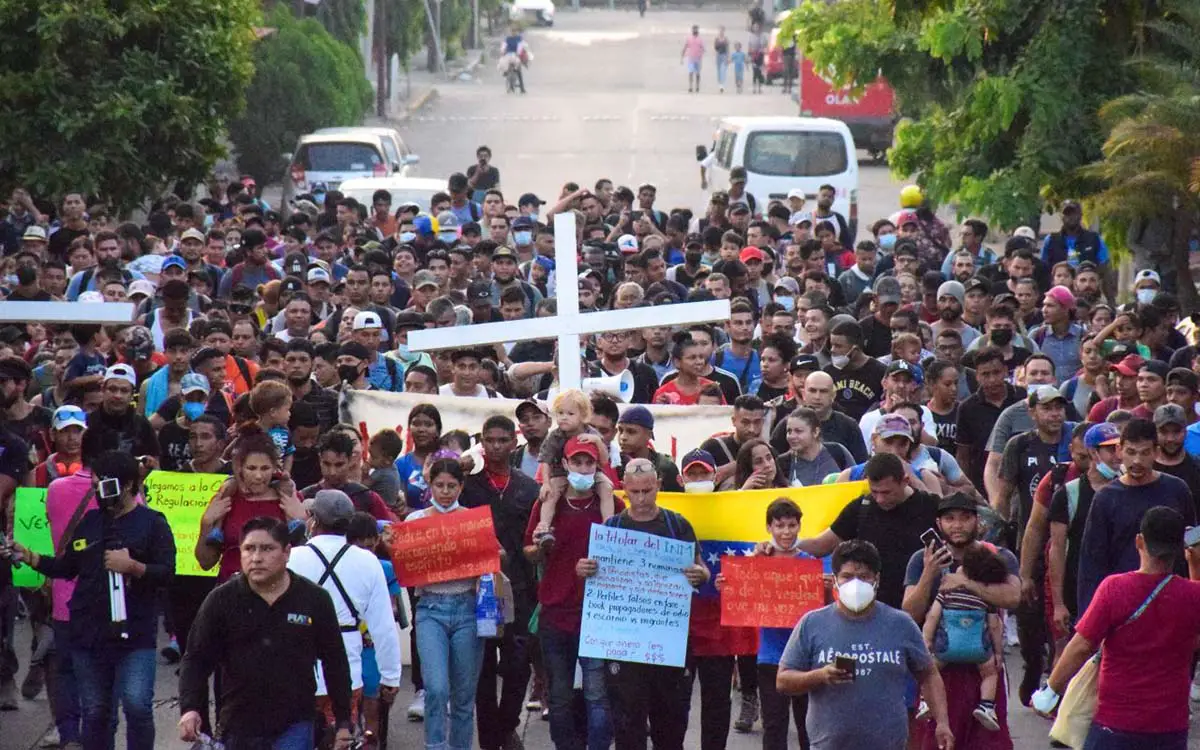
575, 446
752, 253
1130, 365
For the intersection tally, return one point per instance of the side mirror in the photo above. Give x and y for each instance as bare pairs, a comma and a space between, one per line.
701, 153
396, 167
411, 159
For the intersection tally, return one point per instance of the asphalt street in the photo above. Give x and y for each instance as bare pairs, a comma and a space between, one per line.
607, 97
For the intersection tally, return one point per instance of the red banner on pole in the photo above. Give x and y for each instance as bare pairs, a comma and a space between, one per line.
444, 547
770, 592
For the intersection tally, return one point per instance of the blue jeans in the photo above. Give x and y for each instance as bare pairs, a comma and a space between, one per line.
106, 675
1103, 738
68, 716
560, 650
298, 736
722, 67
451, 654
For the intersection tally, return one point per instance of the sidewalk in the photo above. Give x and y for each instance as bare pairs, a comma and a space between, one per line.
418, 87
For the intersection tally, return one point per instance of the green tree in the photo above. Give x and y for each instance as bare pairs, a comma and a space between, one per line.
304, 79
1000, 97
346, 20
1150, 169
119, 100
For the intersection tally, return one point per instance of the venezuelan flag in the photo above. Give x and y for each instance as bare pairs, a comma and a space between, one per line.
731, 523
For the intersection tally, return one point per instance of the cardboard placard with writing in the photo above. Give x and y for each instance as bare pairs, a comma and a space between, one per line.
444, 547
770, 592
32, 530
182, 498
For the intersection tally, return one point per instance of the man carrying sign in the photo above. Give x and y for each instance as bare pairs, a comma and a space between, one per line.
636, 688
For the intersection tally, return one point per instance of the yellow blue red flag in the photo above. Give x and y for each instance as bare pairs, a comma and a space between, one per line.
731, 523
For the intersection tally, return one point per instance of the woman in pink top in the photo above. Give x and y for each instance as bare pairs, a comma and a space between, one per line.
693, 53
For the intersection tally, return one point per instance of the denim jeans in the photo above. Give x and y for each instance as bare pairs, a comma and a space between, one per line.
1103, 738
722, 67
68, 715
105, 675
560, 651
451, 653
298, 736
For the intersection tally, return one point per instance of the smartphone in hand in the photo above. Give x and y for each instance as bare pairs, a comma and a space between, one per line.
845, 664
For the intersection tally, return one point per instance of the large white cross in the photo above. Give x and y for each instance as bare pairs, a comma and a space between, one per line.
100, 313
569, 323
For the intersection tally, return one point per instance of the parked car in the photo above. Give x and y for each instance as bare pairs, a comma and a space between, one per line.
419, 190
328, 157
540, 12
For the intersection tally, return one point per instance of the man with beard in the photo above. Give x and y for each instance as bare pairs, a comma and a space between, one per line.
951, 296
299, 369
108, 257
120, 424
938, 568
254, 270
1060, 337
191, 248
1087, 283
1171, 423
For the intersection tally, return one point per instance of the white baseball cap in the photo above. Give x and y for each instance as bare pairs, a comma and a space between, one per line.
121, 372
142, 286
797, 193
1147, 275
367, 319
65, 416
316, 274
91, 297
627, 243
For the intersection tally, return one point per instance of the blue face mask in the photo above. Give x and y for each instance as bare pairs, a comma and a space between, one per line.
523, 238
403, 353
1107, 471
787, 303
887, 242
407, 237
193, 410
580, 482
448, 237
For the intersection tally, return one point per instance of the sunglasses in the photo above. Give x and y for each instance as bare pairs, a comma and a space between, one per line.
239, 309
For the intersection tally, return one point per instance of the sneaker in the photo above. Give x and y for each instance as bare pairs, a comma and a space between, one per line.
416, 709
35, 680
171, 652
533, 704
748, 715
987, 717
8, 696
545, 713
1011, 639
50, 738
922, 711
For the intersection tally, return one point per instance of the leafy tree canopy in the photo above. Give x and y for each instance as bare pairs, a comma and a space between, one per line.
1000, 97
120, 100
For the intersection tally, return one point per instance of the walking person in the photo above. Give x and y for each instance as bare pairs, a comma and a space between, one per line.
721, 47
693, 55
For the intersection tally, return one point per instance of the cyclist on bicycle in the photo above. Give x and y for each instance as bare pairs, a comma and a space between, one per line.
514, 55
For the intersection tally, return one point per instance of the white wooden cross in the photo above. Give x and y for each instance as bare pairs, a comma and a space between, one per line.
100, 313
569, 323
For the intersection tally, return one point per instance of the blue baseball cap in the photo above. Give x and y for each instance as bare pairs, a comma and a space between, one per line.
174, 261
697, 456
1105, 433
638, 415
193, 382
913, 371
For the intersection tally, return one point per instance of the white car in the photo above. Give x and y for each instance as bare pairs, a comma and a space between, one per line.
539, 11
323, 160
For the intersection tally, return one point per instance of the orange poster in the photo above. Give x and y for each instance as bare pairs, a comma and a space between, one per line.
444, 547
770, 592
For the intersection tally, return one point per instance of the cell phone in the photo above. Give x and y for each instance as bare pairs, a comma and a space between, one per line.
109, 489
845, 664
636, 215
276, 478
930, 536
1191, 537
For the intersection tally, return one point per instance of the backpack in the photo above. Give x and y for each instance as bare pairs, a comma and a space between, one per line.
1072, 489
962, 634
86, 278
391, 368
239, 271
244, 369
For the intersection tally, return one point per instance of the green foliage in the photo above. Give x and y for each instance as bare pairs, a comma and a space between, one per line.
119, 99
1002, 95
406, 24
345, 20
304, 79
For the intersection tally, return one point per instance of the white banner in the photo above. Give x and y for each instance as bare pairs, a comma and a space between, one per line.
677, 429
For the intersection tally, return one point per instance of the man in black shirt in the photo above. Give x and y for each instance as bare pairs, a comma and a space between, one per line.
748, 415
977, 415
857, 378
122, 427
1171, 423
877, 327
299, 368
836, 427
266, 629
892, 517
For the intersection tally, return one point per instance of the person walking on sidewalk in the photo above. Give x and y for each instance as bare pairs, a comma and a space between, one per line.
721, 47
693, 55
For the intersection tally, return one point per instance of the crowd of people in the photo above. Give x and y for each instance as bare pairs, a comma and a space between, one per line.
1026, 443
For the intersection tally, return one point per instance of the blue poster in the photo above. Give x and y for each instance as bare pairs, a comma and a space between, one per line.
636, 608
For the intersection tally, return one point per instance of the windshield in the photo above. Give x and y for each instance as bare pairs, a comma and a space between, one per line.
338, 157
795, 154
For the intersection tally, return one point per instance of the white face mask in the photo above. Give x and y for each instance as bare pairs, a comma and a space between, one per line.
839, 360
700, 487
438, 507
1146, 296
856, 595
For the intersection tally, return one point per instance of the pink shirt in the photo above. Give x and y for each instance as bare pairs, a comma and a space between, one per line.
62, 498
693, 49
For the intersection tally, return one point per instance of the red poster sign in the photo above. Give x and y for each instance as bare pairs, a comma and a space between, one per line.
770, 592
444, 547
818, 98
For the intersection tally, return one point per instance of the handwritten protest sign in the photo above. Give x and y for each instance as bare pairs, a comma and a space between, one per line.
636, 608
445, 547
182, 498
770, 592
31, 529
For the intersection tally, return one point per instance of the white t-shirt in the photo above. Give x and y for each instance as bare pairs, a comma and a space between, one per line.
448, 390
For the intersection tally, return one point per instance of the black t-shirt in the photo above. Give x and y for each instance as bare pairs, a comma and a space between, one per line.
896, 533
976, 418
645, 380
129, 432
489, 178
768, 392
173, 442
1026, 460
856, 391
947, 429
1075, 523
1189, 471
877, 337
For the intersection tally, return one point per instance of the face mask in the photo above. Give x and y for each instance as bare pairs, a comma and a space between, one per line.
856, 595
839, 360
700, 487
347, 373
795, 546
533, 215
1002, 337
887, 242
787, 303
523, 238
438, 507
448, 237
407, 237
1107, 471
1146, 296
193, 410
580, 482
403, 353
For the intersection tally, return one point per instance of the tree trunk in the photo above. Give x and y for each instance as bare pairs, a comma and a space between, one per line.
1181, 234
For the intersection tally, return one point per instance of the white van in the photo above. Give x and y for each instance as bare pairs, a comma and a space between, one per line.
419, 190
782, 153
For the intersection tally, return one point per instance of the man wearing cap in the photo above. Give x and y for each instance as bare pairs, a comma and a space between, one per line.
635, 430
691, 269
901, 385
1127, 371
1059, 336
189, 405
876, 328
504, 269
191, 249
254, 270
1073, 243
935, 569
384, 373
319, 283
407, 321
1171, 423
951, 299
120, 426
66, 438
354, 580
1146, 284
353, 362
461, 205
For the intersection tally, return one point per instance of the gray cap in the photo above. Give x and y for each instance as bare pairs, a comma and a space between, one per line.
424, 277
887, 290
1170, 414
447, 220
332, 508
952, 289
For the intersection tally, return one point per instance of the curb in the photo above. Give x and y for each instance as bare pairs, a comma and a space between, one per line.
419, 103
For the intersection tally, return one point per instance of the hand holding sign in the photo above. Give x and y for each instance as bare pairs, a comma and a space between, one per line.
769, 592
444, 547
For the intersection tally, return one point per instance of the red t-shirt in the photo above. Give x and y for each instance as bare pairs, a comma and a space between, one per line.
560, 591
707, 637
241, 510
670, 394
1146, 670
